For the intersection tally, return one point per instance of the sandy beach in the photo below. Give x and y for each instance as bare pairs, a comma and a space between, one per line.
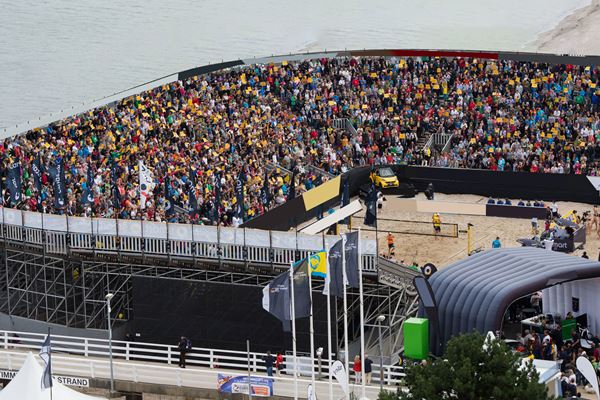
443, 251
576, 34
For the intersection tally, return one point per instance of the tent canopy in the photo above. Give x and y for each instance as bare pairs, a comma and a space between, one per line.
27, 384
474, 293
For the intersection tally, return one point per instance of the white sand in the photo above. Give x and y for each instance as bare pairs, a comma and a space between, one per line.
576, 34
443, 251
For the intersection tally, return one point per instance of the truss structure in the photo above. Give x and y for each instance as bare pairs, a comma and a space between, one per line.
70, 290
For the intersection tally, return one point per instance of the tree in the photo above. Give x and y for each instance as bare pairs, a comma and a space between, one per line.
469, 372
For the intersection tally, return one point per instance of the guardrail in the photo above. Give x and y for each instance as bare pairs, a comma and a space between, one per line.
62, 235
214, 359
442, 140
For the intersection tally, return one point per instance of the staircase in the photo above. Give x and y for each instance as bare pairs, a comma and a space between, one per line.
396, 299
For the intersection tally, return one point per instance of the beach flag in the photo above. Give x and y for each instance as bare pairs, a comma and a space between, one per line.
277, 295
37, 171
292, 190
371, 214
88, 193
146, 184
169, 200
334, 280
114, 175
265, 198
193, 200
57, 175
45, 355
345, 200
239, 193
14, 182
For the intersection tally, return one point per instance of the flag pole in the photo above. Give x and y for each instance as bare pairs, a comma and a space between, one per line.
362, 319
347, 356
329, 338
50, 363
293, 318
328, 286
312, 327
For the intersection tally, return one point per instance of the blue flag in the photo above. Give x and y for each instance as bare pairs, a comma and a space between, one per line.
88, 193
239, 193
57, 174
169, 200
371, 214
37, 170
114, 176
14, 183
46, 356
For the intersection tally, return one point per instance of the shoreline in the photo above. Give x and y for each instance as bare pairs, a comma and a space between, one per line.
577, 33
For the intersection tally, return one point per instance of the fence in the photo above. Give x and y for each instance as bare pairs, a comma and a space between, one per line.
214, 359
59, 234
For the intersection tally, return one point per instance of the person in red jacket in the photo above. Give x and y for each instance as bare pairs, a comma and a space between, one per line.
357, 369
279, 363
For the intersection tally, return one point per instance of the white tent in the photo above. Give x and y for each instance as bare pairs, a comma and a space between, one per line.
27, 385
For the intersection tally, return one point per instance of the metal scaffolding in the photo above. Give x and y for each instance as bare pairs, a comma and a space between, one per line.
70, 290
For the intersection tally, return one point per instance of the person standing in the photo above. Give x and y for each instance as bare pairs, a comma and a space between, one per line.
269, 362
357, 369
183, 346
496, 243
437, 224
390, 242
279, 363
368, 369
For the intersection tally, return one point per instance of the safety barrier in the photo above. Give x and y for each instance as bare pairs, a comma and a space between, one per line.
138, 352
59, 234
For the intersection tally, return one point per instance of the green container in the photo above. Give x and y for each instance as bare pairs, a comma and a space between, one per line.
416, 338
567, 326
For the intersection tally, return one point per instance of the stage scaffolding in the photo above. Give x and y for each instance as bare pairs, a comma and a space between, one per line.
70, 290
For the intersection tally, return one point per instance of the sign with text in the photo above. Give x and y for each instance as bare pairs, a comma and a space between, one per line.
261, 387
65, 380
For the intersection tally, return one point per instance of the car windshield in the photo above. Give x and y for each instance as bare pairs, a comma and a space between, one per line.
386, 173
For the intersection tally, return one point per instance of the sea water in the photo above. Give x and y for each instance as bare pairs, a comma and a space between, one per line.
58, 53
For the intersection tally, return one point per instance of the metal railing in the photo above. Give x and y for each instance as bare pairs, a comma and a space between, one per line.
58, 234
442, 140
157, 354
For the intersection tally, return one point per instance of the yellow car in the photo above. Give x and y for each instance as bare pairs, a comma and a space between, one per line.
384, 177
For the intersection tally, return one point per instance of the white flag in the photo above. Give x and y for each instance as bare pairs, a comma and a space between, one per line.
587, 370
146, 184
339, 373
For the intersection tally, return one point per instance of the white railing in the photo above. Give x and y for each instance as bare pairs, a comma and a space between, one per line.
152, 353
439, 139
59, 234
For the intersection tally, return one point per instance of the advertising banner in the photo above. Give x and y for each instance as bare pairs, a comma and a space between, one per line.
261, 387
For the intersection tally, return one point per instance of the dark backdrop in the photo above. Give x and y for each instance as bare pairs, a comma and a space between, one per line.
514, 185
216, 315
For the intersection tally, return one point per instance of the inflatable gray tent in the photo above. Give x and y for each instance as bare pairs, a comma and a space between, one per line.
474, 293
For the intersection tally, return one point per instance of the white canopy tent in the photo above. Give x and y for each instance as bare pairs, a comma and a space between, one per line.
27, 385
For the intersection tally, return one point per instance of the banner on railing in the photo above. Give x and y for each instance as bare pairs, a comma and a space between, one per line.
261, 387
65, 380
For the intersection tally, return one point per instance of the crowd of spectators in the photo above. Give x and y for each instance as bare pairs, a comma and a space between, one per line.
273, 124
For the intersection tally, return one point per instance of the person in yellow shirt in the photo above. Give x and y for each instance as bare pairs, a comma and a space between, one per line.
437, 224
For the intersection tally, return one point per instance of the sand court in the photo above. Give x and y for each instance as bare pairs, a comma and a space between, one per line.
423, 247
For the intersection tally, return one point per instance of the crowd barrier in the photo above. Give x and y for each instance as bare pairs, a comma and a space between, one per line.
153, 353
59, 234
